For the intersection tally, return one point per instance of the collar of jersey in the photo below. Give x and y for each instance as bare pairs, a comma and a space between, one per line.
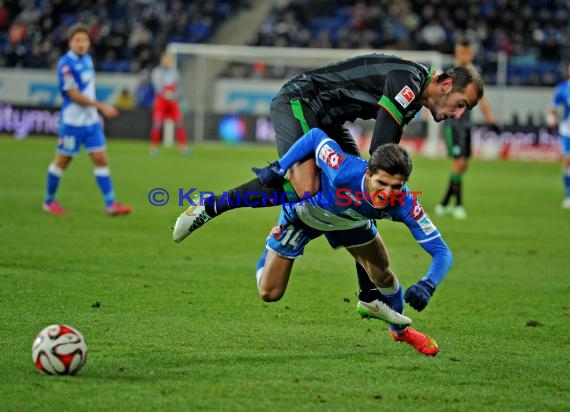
429, 78
74, 56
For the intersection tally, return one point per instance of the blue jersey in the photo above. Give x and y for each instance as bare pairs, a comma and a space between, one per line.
77, 72
341, 203
562, 98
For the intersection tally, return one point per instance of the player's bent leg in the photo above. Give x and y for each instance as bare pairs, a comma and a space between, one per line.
55, 171
103, 178
192, 218
62, 161
273, 280
421, 342
374, 258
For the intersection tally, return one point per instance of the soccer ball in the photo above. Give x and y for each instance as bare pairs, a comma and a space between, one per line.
59, 350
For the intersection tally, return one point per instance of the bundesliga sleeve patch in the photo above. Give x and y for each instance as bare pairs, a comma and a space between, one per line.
324, 152
426, 225
405, 97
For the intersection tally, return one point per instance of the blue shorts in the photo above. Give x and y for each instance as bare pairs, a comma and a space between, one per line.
290, 236
71, 138
565, 145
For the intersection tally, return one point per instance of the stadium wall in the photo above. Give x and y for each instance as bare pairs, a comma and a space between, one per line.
246, 96
29, 102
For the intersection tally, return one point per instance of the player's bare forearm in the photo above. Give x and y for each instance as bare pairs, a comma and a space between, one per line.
81, 99
486, 110
106, 110
551, 117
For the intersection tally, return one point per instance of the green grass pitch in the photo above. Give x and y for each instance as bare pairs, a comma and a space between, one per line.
179, 327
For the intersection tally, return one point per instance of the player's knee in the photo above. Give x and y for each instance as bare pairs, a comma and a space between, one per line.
61, 162
461, 165
270, 294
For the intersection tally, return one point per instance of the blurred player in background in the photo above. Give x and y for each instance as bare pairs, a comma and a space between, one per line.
457, 133
165, 81
80, 123
562, 98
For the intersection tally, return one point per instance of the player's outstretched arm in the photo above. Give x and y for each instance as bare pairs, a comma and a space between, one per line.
419, 295
428, 237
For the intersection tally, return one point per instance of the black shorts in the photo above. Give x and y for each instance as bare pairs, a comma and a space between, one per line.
457, 138
292, 118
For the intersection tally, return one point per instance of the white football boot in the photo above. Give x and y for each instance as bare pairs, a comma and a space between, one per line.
441, 210
379, 310
193, 218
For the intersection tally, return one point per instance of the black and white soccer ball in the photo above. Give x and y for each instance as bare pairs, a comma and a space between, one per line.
59, 350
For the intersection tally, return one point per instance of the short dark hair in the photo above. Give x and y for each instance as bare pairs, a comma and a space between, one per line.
392, 159
464, 41
77, 28
462, 77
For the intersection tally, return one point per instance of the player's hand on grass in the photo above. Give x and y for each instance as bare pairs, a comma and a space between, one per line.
270, 175
419, 294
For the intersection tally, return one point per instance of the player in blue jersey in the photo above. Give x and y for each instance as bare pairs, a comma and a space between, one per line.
80, 124
353, 193
561, 98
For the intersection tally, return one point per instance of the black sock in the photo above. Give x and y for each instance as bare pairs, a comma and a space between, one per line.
368, 291
448, 194
458, 193
453, 190
250, 194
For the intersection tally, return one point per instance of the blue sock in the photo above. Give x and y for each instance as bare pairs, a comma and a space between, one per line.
260, 265
103, 177
396, 302
52, 183
261, 261
567, 182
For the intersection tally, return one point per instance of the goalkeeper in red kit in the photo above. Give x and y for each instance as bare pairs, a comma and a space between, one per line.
165, 79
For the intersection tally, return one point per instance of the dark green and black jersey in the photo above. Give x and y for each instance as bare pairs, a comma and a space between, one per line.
374, 86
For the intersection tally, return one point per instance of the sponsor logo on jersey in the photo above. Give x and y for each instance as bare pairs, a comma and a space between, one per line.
405, 97
426, 225
334, 160
417, 211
